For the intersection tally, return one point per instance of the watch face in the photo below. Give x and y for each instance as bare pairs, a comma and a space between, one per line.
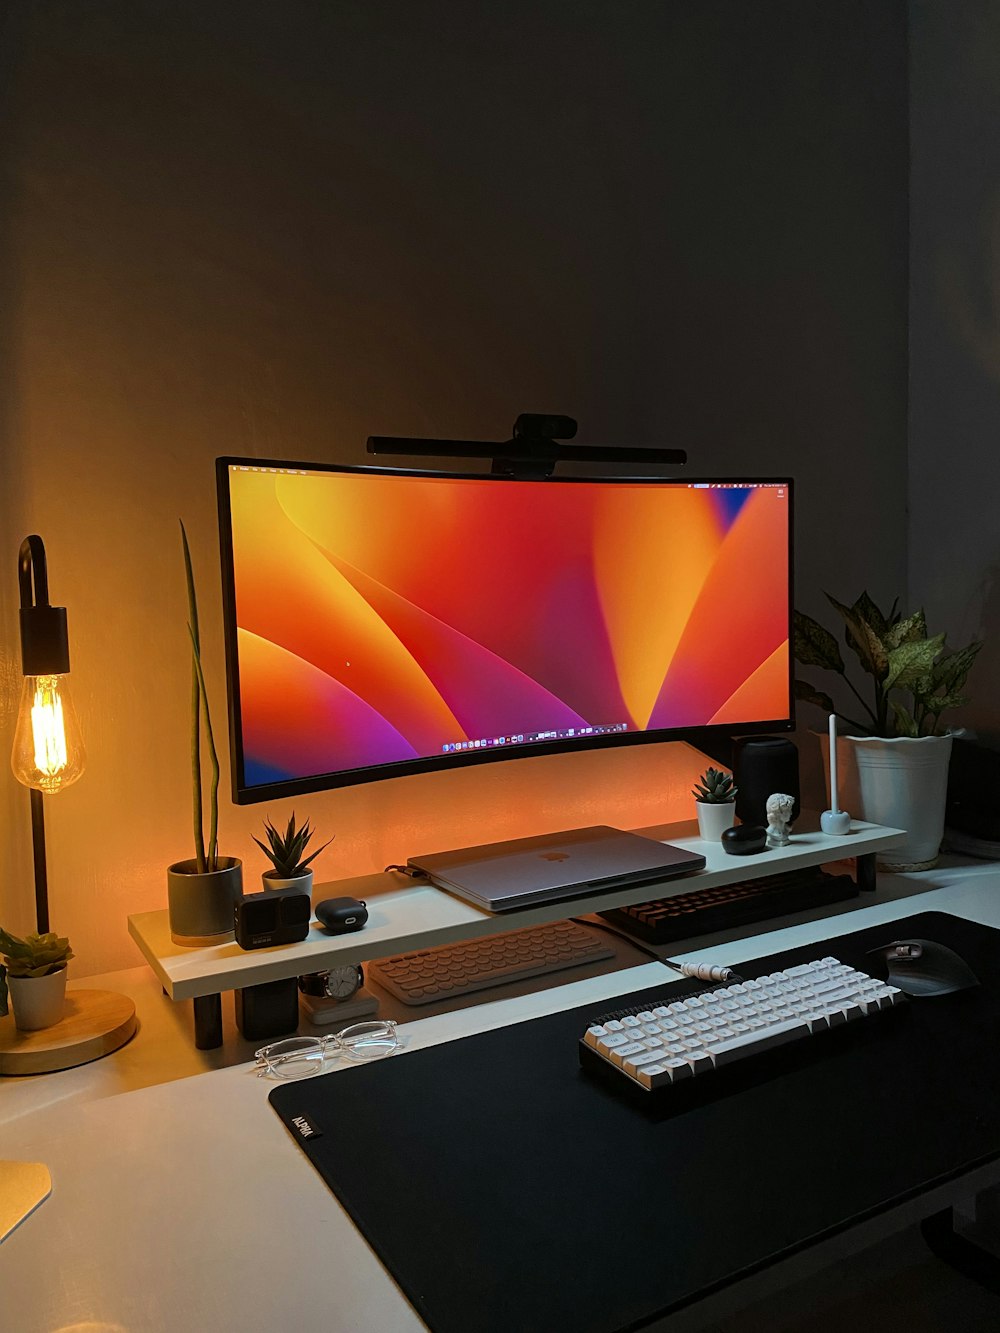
344, 981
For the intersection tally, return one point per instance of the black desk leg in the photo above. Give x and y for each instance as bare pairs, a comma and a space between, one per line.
866, 872
207, 1022
960, 1253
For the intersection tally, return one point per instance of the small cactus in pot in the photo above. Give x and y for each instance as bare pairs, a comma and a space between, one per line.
715, 787
286, 852
34, 969
715, 794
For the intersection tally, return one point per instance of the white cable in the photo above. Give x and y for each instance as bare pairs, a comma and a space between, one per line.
703, 971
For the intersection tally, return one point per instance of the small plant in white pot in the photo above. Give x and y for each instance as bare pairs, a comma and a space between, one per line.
286, 852
34, 971
899, 745
715, 799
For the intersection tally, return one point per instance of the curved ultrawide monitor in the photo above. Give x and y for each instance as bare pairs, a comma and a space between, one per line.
382, 622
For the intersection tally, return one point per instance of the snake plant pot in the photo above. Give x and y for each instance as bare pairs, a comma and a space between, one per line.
202, 905
304, 882
38, 1002
902, 782
714, 817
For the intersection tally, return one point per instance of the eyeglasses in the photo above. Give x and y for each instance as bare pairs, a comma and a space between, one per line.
301, 1057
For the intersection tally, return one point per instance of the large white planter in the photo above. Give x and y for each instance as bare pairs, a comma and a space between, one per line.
38, 1002
714, 817
902, 782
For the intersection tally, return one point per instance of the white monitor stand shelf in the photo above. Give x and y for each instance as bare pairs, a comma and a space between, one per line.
405, 915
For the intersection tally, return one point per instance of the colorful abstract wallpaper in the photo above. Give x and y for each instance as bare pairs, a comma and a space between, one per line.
384, 618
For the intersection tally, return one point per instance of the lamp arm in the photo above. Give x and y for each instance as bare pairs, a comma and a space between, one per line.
32, 567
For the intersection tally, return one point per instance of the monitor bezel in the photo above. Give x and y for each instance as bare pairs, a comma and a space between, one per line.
706, 737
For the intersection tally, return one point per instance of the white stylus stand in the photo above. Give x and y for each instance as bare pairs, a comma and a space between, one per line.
835, 822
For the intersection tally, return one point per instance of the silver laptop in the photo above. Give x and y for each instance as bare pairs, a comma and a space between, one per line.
503, 875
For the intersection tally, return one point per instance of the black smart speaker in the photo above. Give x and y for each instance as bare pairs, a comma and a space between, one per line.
763, 765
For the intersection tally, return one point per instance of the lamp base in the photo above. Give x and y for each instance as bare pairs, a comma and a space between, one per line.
96, 1022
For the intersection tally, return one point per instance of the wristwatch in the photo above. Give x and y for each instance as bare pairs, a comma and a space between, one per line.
340, 983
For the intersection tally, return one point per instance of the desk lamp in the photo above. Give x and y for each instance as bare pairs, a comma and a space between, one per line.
48, 749
48, 755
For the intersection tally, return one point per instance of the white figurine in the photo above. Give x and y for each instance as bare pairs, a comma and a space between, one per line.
779, 815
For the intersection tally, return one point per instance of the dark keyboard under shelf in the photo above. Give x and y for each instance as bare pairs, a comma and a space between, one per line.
703, 910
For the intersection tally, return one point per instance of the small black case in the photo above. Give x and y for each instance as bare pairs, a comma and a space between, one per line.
340, 915
278, 916
744, 840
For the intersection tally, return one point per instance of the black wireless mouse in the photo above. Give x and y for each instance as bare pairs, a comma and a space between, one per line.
923, 967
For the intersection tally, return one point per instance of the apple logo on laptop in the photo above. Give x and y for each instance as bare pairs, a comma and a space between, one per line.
554, 856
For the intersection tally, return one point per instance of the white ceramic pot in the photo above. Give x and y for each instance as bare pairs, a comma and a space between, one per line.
714, 817
272, 880
902, 782
38, 1002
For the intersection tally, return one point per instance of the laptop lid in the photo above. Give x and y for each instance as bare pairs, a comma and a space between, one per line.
516, 873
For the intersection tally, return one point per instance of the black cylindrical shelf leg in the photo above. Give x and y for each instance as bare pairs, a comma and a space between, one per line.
207, 1022
866, 876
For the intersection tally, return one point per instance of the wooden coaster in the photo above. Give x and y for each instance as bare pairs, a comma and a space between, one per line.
96, 1022
23, 1186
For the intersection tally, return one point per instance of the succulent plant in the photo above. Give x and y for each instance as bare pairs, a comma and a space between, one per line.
34, 956
899, 655
284, 850
715, 787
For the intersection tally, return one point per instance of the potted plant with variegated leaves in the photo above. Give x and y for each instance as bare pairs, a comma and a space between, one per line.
895, 741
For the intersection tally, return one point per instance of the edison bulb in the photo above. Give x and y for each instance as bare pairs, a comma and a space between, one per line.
48, 749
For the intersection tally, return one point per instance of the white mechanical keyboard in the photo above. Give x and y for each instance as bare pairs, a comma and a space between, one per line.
666, 1043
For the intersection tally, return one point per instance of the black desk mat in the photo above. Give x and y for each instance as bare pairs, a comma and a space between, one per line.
505, 1188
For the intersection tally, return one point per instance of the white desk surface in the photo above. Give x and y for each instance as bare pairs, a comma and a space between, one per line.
404, 914
188, 1206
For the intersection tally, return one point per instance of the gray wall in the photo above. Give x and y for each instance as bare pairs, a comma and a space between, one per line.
954, 548
273, 229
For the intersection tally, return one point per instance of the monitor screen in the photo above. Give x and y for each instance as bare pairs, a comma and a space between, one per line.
382, 622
